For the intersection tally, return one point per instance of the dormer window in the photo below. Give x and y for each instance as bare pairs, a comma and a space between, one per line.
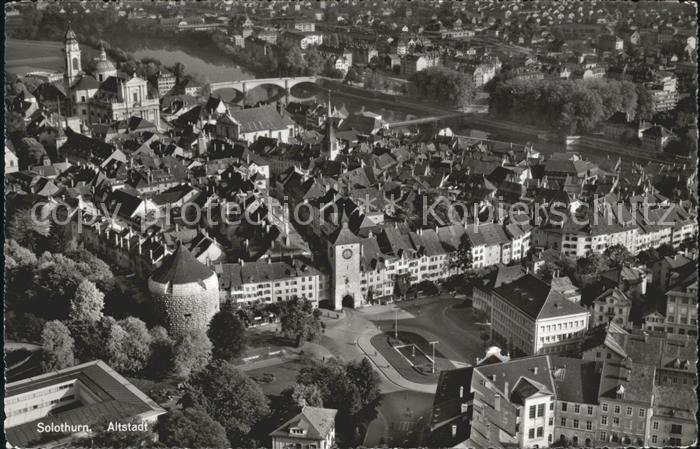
620, 392
296, 431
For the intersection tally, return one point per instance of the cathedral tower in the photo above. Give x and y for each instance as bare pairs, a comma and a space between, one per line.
72, 51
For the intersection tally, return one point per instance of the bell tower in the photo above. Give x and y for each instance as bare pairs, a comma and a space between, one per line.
72, 52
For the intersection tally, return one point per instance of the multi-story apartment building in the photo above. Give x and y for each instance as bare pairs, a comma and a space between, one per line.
164, 82
625, 395
576, 409
513, 404
656, 138
612, 305
411, 64
265, 282
673, 423
530, 317
545, 401
682, 307
302, 39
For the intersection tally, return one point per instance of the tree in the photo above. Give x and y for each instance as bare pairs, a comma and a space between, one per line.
91, 338
191, 427
301, 395
88, 302
160, 363
445, 85
315, 62
93, 268
136, 345
179, 71
292, 60
20, 263
462, 258
24, 229
227, 335
645, 103
191, 351
618, 256
55, 281
299, 322
353, 75
57, 347
230, 397
332, 72
352, 389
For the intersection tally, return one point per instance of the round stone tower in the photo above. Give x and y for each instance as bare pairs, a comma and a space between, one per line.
185, 292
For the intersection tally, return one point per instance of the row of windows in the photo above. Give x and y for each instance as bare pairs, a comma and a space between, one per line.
628, 410
540, 411
531, 433
577, 408
557, 327
575, 424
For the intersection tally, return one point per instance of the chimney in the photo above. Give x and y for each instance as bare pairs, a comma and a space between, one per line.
505, 389
497, 402
535, 370
461, 392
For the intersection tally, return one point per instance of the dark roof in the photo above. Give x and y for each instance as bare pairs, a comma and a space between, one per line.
260, 119
181, 267
535, 298
343, 236
576, 380
114, 397
316, 421
86, 82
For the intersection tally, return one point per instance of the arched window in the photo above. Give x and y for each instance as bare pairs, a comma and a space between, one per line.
75, 63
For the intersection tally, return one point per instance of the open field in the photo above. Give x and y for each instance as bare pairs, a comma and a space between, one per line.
23, 56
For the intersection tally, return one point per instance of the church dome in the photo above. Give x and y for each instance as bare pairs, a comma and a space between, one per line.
104, 66
185, 292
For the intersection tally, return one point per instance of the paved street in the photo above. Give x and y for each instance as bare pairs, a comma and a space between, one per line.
441, 318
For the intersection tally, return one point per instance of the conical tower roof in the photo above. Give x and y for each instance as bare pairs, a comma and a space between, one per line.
181, 267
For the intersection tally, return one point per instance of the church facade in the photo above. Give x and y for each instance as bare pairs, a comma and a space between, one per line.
105, 95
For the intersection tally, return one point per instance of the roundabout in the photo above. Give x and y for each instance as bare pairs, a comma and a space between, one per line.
410, 355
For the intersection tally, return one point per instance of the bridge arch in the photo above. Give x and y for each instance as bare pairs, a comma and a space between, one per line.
245, 85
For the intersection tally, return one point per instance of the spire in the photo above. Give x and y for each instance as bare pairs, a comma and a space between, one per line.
331, 145
103, 53
70, 34
328, 114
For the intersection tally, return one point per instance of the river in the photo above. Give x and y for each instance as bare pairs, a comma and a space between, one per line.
204, 63
207, 65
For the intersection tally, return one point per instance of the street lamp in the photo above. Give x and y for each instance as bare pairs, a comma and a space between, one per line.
396, 325
433, 343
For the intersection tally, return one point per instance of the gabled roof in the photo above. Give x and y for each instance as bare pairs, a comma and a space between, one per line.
316, 421
260, 119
